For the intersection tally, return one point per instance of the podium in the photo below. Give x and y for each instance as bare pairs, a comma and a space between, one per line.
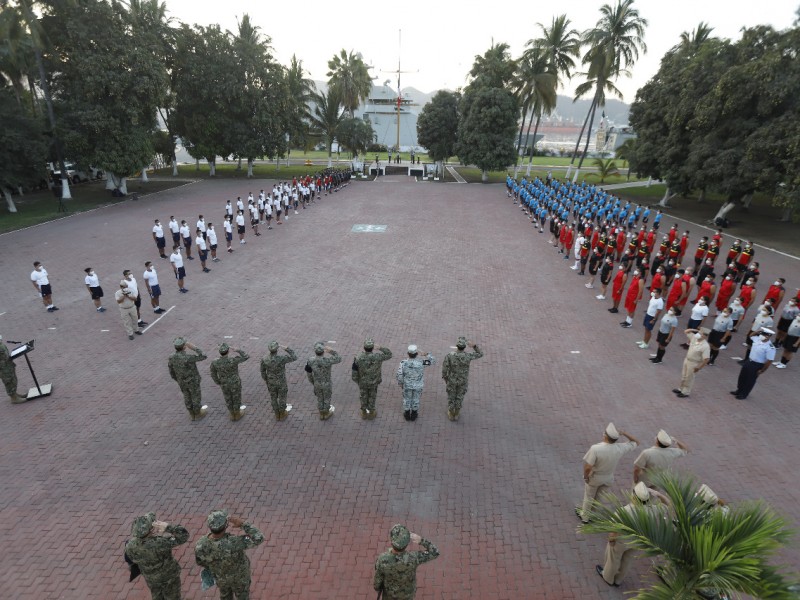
40, 391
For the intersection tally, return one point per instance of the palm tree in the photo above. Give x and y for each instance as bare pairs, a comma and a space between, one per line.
691, 42
16, 56
349, 79
614, 45
301, 92
626, 151
605, 167
705, 551
538, 84
326, 118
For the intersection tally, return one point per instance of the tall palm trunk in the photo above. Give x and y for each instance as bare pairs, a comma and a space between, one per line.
588, 134
533, 144
578, 143
519, 142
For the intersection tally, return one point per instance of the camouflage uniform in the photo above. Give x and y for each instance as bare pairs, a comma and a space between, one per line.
318, 370
153, 555
226, 560
273, 372
411, 377
8, 374
225, 373
396, 572
366, 373
183, 369
455, 372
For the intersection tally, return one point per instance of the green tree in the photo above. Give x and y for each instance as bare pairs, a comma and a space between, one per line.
614, 46
437, 126
537, 84
23, 148
108, 82
486, 132
605, 167
205, 86
355, 135
493, 69
627, 152
349, 79
691, 42
301, 91
326, 118
704, 551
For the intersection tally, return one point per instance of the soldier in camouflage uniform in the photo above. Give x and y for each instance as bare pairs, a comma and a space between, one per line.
8, 374
223, 554
151, 550
411, 377
318, 369
455, 372
273, 372
396, 569
366, 373
225, 373
183, 369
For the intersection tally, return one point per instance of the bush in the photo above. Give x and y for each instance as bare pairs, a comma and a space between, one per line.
376, 148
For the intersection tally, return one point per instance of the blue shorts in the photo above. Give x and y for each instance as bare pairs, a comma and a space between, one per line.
181, 273
161, 242
176, 237
187, 242
155, 291
229, 236
203, 254
649, 322
45, 289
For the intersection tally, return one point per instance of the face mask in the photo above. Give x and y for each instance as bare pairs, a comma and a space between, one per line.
671, 313
777, 283
702, 303
708, 279
652, 295
697, 336
764, 338
635, 273
728, 278
749, 282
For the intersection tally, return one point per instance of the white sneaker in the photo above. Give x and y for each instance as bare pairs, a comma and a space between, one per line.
600, 297
297, 213
723, 347
590, 286
204, 407
288, 408
242, 407
654, 356
744, 343
286, 217
332, 408
779, 365
574, 268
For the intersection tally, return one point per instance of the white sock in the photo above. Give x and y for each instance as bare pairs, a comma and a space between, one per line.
628, 320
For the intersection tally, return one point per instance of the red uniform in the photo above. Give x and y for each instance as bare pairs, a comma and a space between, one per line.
673, 233
675, 293
675, 250
733, 253
684, 244
713, 252
562, 235
618, 285
570, 235
774, 292
658, 281
620, 243
687, 279
651, 240
717, 238
632, 295
705, 290
745, 257
747, 293
640, 237
726, 289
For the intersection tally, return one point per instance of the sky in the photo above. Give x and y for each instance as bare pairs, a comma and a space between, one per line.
437, 41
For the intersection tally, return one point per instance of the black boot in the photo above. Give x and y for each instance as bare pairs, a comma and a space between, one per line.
414, 414
407, 415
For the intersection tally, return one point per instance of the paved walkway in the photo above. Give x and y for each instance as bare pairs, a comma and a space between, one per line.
494, 491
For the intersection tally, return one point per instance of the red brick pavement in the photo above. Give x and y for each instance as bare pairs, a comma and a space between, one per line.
494, 491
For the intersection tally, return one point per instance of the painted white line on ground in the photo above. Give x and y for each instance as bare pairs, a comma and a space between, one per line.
2, 313
331, 341
104, 330
574, 351
253, 338
228, 337
51, 327
161, 316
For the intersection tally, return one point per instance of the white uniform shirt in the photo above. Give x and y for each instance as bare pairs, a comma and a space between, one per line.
176, 258
201, 243
229, 208
655, 305
201, 225
240, 220
150, 277
133, 286
174, 227
185, 231
92, 280
699, 312
158, 230
212, 237
228, 227
239, 204
40, 277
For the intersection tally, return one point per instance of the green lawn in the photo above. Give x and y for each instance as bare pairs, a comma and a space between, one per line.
40, 207
260, 171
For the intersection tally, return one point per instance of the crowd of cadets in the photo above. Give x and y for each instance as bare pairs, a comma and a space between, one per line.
603, 231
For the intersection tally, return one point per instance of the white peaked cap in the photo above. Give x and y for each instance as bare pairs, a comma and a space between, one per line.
412, 349
664, 438
612, 432
707, 494
641, 491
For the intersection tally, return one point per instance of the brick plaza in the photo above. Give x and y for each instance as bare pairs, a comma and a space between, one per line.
495, 491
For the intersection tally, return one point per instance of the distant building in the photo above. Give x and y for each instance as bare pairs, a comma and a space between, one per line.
380, 109
610, 137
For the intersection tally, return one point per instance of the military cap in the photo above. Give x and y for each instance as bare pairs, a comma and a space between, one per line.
612, 432
273, 346
217, 520
142, 525
319, 347
641, 491
708, 495
179, 342
369, 344
400, 537
412, 349
663, 438
224, 348
461, 343
766, 331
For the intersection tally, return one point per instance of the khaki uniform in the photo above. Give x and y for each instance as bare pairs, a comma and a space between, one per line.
699, 350
656, 459
127, 310
603, 458
618, 556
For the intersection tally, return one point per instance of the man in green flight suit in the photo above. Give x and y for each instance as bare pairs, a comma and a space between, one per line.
396, 569
222, 553
8, 375
366, 373
273, 372
150, 549
225, 373
318, 370
183, 369
455, 372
